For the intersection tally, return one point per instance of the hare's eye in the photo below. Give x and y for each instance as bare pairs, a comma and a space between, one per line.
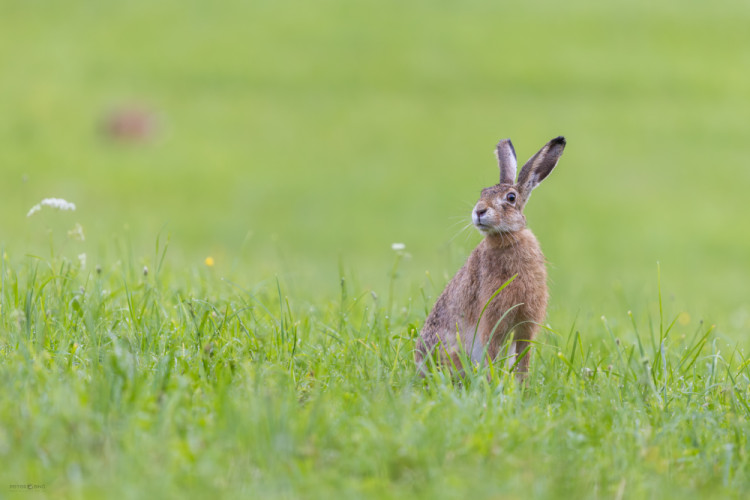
511, 197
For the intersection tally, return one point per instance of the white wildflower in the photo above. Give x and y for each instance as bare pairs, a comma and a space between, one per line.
77, 233
398, 247
82, 259
57, 203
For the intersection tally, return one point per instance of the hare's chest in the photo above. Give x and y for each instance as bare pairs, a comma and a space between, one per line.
526, 265
523, 278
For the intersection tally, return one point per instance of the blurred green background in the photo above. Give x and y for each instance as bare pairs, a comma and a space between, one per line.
288, 137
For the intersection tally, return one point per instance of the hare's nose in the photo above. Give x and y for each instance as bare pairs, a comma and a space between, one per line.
480, 211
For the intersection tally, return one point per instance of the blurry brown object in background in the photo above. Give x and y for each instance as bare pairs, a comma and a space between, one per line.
130, 124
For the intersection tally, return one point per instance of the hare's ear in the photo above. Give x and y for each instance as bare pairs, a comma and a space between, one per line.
539, 166
506, 160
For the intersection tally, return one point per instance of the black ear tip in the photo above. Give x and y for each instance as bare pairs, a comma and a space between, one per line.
558, 140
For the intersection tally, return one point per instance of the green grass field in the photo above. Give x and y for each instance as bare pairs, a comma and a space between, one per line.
294, 143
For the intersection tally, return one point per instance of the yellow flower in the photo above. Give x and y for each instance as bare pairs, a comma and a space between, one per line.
209, 261
683, 318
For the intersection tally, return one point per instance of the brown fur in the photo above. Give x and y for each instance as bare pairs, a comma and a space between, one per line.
508, 249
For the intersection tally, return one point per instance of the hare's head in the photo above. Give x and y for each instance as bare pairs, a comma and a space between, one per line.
500, 207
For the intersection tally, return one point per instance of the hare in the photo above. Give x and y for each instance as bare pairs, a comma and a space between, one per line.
508, 249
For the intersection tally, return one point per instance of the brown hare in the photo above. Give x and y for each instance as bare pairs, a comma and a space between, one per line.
508, 249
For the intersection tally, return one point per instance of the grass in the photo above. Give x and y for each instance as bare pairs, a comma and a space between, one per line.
295, 143
177, 383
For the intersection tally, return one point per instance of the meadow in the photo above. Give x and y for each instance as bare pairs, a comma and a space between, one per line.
223, 313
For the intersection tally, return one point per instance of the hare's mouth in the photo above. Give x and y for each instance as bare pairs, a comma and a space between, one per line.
483, 222
483, 228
